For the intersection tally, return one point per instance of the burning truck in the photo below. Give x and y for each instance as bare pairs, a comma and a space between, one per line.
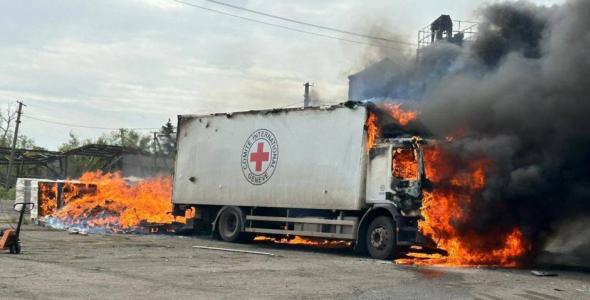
355, 173
513, 181
321, 172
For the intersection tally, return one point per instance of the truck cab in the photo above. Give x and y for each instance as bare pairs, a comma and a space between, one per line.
396, 174
395, 177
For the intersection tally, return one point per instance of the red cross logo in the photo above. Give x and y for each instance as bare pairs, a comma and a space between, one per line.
259, 157
257, 164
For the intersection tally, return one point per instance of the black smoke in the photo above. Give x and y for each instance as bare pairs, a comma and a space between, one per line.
510, 28
520, 96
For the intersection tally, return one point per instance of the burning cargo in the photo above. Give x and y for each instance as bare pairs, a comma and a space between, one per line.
48, 196
102, 202
314, 172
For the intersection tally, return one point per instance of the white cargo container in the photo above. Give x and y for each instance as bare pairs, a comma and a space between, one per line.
305, 172
30, 190
26, 191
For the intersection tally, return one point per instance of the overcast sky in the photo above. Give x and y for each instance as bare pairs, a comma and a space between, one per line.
136, 63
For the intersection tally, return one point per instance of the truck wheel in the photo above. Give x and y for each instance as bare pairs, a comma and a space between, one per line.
229, 227
381, 238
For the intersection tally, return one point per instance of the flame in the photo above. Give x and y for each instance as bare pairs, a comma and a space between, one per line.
299, 240
418, 256
403, 117
450, 204
404, 164
116, 205
448, 208
372, 130
190, 213
48, 193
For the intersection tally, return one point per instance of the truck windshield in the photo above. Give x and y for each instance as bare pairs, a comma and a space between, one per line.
405, 165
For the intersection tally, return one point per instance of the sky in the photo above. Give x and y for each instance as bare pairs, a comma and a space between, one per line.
137, 63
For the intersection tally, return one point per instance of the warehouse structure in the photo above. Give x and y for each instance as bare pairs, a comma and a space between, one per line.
40, 163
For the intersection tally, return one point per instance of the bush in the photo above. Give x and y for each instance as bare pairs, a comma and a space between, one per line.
7, 194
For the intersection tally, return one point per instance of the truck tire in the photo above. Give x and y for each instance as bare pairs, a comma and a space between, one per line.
229, 227
381, 238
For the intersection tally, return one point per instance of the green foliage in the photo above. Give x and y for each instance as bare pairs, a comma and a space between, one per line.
7, 194
127, 138
164, 144
167, 138
25, 142
77, 164
72, 143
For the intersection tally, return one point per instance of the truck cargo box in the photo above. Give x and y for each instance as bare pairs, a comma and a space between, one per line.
309, 158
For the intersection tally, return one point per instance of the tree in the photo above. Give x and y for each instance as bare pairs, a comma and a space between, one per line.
7, 117
127, 138
78, 164
167, 138
7, 120
25, 142
72, 143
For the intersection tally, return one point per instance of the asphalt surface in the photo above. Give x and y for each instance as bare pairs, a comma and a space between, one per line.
58, 265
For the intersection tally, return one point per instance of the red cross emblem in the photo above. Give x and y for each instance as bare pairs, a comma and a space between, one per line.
259, 156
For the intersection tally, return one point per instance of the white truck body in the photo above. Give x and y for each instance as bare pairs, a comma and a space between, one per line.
307, 172
319, 159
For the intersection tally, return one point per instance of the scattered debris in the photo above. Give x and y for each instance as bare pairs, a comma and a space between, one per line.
543, 273
76, 230
234, 250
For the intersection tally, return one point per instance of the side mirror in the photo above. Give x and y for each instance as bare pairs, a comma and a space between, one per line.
23, 206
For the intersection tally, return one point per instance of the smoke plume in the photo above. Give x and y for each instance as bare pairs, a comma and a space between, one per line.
520, 99
518, 96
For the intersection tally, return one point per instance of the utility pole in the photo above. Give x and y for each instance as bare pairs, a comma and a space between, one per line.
14, 141
122, 134
155, 143
155, 150
306, 98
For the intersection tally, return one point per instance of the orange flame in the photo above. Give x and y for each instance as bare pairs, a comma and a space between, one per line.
299, 240
48, 193
118, 205
372, 131
401, 116
449, 204
404, 164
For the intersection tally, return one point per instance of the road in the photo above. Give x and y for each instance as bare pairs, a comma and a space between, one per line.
58, 265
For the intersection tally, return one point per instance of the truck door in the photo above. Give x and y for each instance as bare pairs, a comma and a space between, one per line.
407, 169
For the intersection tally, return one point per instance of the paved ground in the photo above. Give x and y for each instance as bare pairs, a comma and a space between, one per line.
58, 265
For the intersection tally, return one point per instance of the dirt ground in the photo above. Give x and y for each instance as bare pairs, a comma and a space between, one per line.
58, 265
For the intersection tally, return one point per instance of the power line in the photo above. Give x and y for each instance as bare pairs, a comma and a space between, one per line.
87, 126
310, 24
284, 27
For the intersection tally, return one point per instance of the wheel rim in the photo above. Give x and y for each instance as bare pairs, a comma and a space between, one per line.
230, 224
379, 238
